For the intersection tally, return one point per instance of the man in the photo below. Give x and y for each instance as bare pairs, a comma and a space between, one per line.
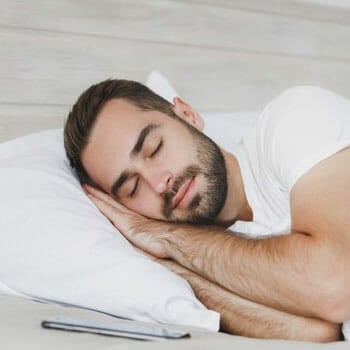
173, 193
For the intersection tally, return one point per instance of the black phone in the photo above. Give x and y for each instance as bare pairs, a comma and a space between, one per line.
117, 328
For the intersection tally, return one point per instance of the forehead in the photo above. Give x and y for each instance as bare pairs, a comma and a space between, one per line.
113, 136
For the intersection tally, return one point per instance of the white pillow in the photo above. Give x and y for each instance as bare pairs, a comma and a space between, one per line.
56, 246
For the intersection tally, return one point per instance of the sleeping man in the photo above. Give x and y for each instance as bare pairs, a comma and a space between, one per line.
261, 233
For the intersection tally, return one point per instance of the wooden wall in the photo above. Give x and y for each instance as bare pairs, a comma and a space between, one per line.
221, 55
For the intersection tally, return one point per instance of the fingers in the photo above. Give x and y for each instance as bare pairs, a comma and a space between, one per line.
120, 216
132, 225
98, 194
104, 207
103, 196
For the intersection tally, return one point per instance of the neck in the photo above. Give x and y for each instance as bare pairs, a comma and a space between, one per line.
236, 206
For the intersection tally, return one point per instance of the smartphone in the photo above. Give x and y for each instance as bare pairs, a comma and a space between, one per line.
117, 328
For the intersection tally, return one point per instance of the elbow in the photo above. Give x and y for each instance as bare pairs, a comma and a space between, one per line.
335, 302
326, 333
337, 311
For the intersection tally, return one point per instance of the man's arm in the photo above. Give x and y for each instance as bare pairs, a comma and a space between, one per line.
278, 272
246, 318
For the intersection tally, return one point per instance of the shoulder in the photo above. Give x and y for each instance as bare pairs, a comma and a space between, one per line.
303, 92
298, 127
296, 103
303, 114
304, 103
300, 90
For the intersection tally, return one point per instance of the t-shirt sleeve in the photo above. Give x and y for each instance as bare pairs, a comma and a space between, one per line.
301, 127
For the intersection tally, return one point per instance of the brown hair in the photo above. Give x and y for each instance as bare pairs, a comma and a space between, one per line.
83, 115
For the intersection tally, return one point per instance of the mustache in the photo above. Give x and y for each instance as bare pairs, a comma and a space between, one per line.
189, 172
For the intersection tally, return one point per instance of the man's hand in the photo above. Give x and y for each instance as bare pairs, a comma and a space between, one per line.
144, 233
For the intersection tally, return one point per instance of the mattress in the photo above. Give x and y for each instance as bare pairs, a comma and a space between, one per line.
20, 323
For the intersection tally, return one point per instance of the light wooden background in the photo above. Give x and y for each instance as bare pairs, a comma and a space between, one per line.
221, 55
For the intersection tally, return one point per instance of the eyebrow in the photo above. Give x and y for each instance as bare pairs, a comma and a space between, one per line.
135, 151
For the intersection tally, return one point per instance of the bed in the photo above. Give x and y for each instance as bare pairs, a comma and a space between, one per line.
222, 57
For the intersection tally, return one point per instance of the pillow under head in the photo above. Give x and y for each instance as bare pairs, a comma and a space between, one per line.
56, 246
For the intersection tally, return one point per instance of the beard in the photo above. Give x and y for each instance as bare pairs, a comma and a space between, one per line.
205, 206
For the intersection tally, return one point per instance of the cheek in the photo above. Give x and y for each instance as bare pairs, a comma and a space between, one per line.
177, 158
146, 204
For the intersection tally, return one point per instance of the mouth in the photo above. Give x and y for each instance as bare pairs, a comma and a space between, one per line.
184, 194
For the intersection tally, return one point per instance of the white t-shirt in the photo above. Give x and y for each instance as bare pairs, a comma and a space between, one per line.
298, 129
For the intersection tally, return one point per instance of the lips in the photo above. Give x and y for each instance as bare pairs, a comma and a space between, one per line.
181, 193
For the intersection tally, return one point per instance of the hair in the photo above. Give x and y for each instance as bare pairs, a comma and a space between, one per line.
83, 115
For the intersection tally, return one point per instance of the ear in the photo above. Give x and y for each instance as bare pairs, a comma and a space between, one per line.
184, 111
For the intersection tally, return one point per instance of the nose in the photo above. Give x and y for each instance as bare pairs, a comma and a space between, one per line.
160, 182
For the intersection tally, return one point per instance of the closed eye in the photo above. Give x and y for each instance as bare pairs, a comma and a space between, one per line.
135, 188
160, 145
157, 149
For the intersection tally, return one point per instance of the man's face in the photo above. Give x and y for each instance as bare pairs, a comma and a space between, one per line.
156, 165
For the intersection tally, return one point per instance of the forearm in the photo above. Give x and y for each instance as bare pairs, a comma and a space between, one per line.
281, 272
242, 317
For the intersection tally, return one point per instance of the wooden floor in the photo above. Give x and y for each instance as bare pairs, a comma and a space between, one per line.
222, 55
